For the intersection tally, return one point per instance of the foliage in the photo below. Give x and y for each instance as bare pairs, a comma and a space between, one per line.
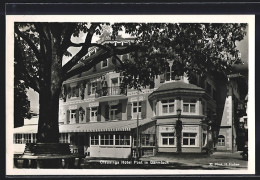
40, 47
194, 48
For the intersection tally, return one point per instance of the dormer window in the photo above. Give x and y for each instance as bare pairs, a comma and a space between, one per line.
169, 75
104, 63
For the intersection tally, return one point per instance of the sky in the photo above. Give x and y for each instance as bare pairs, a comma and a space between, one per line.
34, 97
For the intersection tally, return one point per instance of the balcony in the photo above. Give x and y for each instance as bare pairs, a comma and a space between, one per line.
111, 91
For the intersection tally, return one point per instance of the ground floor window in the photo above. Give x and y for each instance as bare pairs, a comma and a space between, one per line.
94, 139
106, 139
189, 139
64, 138
122, 139
168, 139
24, 138
18, 139
221, 140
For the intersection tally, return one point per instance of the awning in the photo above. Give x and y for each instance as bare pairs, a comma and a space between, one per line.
123, 125
28, 129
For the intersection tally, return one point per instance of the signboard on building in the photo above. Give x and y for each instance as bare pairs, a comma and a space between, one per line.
94, 104
73, 107
166, 128
190, 128
114, 102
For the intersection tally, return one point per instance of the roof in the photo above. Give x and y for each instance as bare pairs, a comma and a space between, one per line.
178, 85
124, 125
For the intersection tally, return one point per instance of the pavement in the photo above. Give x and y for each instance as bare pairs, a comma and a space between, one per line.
216, 161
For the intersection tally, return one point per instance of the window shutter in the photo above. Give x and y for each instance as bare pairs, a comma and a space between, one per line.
89, 88
162, 78
77, 116
99, 114
107, 112
77, 91
129, 111
68, 116
143, 109
88, 114
119, 112
99, 85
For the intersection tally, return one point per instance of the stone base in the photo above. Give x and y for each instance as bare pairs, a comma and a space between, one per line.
48, 155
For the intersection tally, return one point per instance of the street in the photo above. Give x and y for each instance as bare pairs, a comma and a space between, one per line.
218, 160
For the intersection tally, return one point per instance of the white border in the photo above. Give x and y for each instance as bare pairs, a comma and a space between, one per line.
10, 19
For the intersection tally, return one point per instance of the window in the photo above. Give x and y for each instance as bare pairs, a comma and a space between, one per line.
189, 139
34, 138
245, 122
168, 106
94, 139
204, 141
18, 139
93, 114
27, 138
93, 87
104, 63
168, 139
148, 139
221, 140
72, 116
106, 139
189, 106
64, 138
122, 139
169, 75
113, 112
115, 86
74, 91
136, 110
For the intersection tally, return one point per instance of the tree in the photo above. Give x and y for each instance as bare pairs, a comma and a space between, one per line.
194, 48
39, 49
21, 102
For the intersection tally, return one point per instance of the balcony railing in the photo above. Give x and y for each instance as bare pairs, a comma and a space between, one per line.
110, 91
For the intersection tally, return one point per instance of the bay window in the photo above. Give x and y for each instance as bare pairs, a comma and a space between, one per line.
189, 105
168, 139
168, 106
189, 139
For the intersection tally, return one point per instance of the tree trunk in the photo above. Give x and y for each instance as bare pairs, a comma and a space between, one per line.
48, 127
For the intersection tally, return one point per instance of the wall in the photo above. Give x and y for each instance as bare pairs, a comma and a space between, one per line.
113, 152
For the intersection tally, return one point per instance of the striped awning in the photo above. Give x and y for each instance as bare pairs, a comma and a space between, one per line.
126, 125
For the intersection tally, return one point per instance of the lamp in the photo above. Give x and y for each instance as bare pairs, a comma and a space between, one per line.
179, 112
178, 128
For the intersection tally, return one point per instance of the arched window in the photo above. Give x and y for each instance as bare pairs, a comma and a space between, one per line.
221, 140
